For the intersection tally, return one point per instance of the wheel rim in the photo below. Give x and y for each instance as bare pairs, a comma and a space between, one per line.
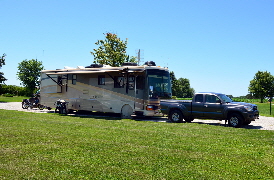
175, 117
25, 106
126, 112
234, 121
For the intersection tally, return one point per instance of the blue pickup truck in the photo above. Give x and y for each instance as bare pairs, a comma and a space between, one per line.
209, 105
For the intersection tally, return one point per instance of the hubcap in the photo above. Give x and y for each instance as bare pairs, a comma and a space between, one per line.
175, 117
25, 106
234, 121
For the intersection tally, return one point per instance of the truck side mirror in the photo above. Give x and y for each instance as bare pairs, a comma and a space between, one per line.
219, 101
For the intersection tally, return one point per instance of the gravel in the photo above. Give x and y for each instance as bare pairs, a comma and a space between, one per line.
263, 123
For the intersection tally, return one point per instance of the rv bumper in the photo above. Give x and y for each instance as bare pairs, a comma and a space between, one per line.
152, 113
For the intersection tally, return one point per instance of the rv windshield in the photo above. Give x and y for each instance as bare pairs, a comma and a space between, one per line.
159, 83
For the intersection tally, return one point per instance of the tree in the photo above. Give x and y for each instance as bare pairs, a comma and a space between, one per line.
185, 91
262, 85
174, 85
181, 87
2, 62
111, 51
29, 73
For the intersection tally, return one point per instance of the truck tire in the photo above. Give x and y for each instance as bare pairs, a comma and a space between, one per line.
176, 116
235, 120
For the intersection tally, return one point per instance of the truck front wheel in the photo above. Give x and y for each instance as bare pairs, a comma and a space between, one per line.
176, 116
235, 120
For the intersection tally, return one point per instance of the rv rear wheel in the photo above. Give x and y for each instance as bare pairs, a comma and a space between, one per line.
126, 112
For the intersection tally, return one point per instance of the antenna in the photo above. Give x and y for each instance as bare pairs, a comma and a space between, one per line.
140, 55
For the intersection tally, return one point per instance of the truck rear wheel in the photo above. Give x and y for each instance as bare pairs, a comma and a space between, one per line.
235, 120
176, 116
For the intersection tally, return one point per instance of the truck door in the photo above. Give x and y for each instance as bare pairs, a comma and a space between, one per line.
212, 107
198, 106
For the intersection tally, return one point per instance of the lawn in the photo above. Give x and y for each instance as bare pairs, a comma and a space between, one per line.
52, 146
264, 109
12, 99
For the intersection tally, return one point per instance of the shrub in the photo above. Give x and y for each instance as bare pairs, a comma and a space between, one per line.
12, 89
8, 95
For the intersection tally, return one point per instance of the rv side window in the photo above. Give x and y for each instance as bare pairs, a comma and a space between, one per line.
118, 82
74, 78
140, 82
101, 80
131, 81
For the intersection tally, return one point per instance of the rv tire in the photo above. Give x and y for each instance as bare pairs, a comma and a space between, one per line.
126, 112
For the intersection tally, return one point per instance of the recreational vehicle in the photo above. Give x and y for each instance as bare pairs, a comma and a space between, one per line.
130, 90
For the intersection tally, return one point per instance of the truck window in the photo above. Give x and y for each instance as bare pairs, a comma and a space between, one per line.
211, 99
199, 98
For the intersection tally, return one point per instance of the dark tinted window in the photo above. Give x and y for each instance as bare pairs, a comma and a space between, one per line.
101, 80
199, 98
118, 82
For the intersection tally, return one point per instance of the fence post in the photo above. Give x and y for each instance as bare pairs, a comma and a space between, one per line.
270, 100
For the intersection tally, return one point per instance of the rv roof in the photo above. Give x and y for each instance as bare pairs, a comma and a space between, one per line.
102, 69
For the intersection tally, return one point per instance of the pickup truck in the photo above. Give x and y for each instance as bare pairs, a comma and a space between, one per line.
209, 105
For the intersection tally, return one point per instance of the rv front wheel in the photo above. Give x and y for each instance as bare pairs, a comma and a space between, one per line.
126, 112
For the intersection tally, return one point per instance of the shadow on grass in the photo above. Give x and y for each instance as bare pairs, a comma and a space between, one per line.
221, 123
111, 116
116, 116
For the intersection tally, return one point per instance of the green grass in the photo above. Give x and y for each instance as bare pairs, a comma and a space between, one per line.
51, 146
264, 109
12, 99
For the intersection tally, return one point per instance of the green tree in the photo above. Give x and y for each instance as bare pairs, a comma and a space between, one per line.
2, 62
111, 51
181, 87
185, 91
174, 84
29, 74
262, 85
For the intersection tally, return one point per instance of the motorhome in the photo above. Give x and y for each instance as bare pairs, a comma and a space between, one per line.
130, 90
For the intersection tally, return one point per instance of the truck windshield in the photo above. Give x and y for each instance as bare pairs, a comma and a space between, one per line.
225, 98
159, 83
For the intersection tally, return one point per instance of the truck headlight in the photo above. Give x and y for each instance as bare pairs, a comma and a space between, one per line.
248, 108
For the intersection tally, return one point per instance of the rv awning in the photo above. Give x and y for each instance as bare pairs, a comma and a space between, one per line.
78, 72
89, 72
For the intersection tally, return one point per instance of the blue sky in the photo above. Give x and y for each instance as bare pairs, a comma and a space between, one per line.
218, 45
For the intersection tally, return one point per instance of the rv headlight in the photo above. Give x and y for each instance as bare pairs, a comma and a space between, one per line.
150, 108
248, 108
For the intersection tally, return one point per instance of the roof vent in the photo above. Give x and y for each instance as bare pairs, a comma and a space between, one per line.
129, 64
94, 66
150, 63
